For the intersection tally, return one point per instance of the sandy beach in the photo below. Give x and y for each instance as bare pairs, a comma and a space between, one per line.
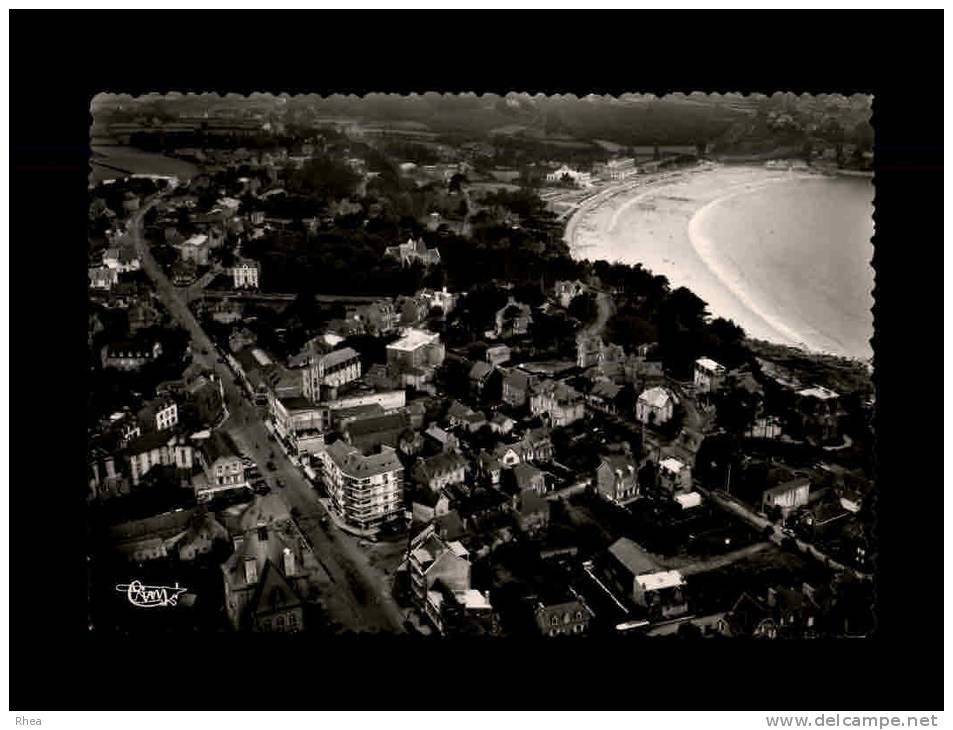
664, 222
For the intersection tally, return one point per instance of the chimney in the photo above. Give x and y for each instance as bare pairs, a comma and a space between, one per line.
238, 541
251, 570
772, 597
288, 559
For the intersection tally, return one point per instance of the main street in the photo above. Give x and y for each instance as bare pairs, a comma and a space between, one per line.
360, 599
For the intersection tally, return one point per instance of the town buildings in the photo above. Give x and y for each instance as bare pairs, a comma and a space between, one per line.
222, 465
559, 402
121, 259
592, 351
787, 496
160, 448
245, 274
498, 354
512, 319
516, 388
330, 371
159, 415
674, 476
264, 578
366, 490
570, 617
655, 406
413, 252
818, 412
577, 178
440, 577
300, 423
102, 277
379, 318
617, 478
441, 470
368, 433
130, 354
660, 593
708, 375
414, 356
196, 249
566, 291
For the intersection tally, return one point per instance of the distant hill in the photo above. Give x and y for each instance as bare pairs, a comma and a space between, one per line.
729, 121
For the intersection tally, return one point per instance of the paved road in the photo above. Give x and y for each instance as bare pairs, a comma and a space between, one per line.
361, 598
605, 308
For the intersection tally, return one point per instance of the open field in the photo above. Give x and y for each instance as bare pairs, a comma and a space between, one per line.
112, 161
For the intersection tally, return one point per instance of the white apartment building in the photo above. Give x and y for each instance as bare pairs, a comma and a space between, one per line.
245, 274
167, 416
366, 491
331, 370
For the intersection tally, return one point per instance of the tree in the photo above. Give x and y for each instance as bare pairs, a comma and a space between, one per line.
457, 182
630, 329
688, 630
735, 410
323, 178
584, 308
184, 222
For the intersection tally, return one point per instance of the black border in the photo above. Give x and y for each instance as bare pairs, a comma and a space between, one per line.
59, 59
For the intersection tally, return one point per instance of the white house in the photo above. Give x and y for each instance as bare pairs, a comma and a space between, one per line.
580, 179
245, 274
674, 476
655, 406
708, 375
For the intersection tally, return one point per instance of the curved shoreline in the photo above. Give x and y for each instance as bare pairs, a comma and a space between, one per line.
703, 246
693, 261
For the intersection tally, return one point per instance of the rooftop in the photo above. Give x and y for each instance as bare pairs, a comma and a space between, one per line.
633, 557
788, 486
707, 363
261, 357
413, 339
219, 446
525, 474
336, 357
375, 424
671, 464
660, 581
818, 392
480, 370
353, 463
296, 403
655, 397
